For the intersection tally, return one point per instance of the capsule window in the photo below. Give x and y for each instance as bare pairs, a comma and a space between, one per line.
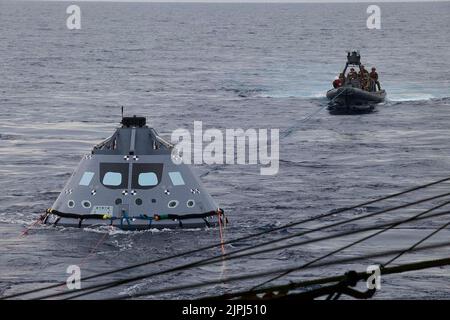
146, 175
113, 179
114, 175
172, 204
147, 179
86, 178
86, 204
71, 204
190, 203
176, 178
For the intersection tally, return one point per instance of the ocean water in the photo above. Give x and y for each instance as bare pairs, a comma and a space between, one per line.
230, 66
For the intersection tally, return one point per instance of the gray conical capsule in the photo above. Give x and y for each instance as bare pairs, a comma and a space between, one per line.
130, 181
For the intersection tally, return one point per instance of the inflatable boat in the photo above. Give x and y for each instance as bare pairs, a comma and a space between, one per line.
355, 93
348, 99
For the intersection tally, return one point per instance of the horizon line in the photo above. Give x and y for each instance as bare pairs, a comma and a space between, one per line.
243, 1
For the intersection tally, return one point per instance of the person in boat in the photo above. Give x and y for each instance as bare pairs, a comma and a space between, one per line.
362, 72
342, 78
352, 75
336, 83
364, 79
365, 83
374, 77
339, 81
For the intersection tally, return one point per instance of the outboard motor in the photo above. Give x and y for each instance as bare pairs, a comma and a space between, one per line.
353, 58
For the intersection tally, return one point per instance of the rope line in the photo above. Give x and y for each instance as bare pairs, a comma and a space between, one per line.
227, 255
102, 287
291, 129
222, 247
292, 224
99, 242
312, 114
387, 228
36, 222
414, 266
417, 243
215, 259
274, 271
